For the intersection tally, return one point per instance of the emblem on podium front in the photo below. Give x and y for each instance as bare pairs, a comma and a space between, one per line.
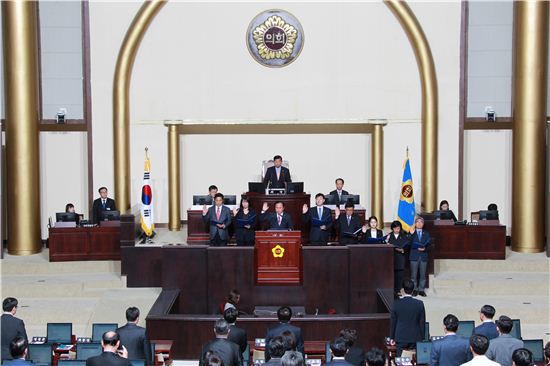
275, 38
278, 251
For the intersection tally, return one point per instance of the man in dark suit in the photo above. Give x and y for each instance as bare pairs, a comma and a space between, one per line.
110, 341
320, 219
276, 349
103, 203
522, 357
420, 242
339, 191
376, 357
279, 220
226, 350
339, 348
18, 351
277, 175
487, 328
219, 217
134, 337
285, 314
347, 225
236, 335
12, 327
407, 320
355, 355
451, 350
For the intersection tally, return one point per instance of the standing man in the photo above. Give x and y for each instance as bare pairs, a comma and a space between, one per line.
284, 314
478, 346
487, 328
339, 191
236, 335
219, 217
103, 203
134, 337
451, 350
348, 225
279, 220
226, 350
420, 241
277, 175
12, 327
320, 219
111, 356
502, 347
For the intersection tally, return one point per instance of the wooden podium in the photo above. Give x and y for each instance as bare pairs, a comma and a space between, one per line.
278, 258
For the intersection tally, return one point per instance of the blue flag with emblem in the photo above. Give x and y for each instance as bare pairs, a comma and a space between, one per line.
406, 210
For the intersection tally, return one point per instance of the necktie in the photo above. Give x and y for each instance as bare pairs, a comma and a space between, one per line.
279, 219
320, 212
419, 232
104, 203
278, 170
218, 214
349, 220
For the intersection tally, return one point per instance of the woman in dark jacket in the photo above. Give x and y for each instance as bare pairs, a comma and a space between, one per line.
400, 240
245, 223
372, 234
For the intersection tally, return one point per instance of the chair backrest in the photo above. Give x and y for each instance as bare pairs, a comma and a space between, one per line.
87, 350
266, 164
99, 328
328, 353
72, 362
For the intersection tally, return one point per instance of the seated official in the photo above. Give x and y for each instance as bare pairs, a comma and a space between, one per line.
19, 348
245, 223
276, 349
444, 206
69, 208
284, 314
226, 350
348, 225
355, 355
339, 191
233, 299
376, 357
277, 175
401, 242
372, 234
134, 337
111, 355
103, 203
320, 219
339, 348
488, 328
219, 217
451, 350
493, 207
212, 190
278, 220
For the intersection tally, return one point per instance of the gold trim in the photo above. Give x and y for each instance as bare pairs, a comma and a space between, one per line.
174, 206
273, 128
377, 173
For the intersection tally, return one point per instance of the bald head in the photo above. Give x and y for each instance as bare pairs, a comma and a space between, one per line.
110, 341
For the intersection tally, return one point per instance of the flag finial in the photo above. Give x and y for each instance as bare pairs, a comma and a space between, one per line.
146, 152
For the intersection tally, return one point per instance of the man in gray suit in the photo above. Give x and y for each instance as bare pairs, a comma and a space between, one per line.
502, 347
219, 217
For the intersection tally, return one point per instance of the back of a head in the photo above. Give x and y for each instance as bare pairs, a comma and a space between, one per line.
547, 351
289, 340
221, 327
339, 347
408, 286
284, 314
9, 303
212, 359
375, 357
17, 347
522, 357
350, 335
479, 344
451, 323
276, 347
488, 311
110, 338
292, 358
132, 313
504, 324
230, 315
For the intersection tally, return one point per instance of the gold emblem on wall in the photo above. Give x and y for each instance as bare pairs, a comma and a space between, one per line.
278, 251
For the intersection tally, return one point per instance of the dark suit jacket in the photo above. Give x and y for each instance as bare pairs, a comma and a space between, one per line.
271, 218
225, 217
271, 180
402, 241
451, 350
226, 350
238, 336
97, 208
107, 359
356, 356
243, 235
335, 194
415, 254
487, 329
135, 340
316, 235
278, 330
367, 235
338, 363
343, 227
407, 320
12, 327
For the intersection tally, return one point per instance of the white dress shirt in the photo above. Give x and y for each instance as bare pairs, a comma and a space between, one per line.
481, 361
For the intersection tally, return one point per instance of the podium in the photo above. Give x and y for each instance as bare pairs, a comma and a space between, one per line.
278, 258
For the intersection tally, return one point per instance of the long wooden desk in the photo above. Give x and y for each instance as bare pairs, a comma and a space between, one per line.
84, 243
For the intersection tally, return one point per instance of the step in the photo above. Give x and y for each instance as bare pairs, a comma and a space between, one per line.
39, 264
514, 262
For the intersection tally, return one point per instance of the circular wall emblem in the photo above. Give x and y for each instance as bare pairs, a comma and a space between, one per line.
275, 38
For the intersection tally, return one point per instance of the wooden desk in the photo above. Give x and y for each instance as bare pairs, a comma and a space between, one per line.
84, 243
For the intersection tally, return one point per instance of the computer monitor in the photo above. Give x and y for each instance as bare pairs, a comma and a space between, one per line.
40, 353
443, 215
423, 350
59, 333
295, 187
353, 198
110, 215
71, 362
202, 200
465, 328
137, 362
536, 347
488, 215
516, 329
99, 328
230, 200
331, 199
87, 350
65, 217
256, 187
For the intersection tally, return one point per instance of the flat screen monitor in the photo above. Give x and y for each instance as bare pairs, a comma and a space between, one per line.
99, 328
516, 329
110, 215
536, 347
87, 350
59, 333
71, 362
65, 217
202, 200
256, 187
465, 328
331, 199
40, 353
353, 198
488, 215
230, 200
423, 350
295, 187
443, 215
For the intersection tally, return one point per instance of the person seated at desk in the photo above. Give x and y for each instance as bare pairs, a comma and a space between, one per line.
348, 225
444, 206
219, 217
212, 190
372, 235
103, 203
278, 220
245, 223
69, 208
320, 219
339, 191
493, 207
401, 242
277, 175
